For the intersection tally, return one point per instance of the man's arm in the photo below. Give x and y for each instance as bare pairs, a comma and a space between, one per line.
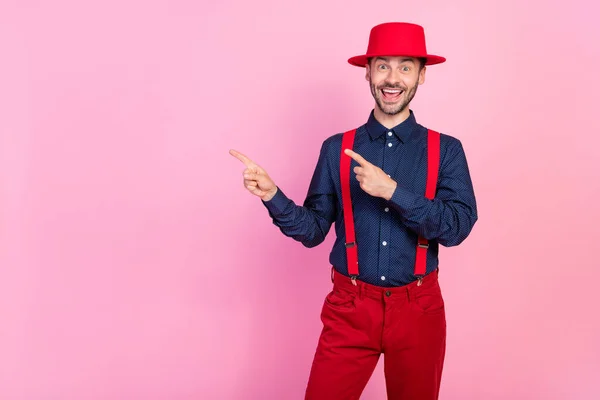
308, 224
448, 218
451, 215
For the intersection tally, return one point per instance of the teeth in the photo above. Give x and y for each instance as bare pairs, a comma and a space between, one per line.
392, 91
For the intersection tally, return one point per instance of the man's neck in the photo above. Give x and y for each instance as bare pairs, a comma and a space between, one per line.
390, 121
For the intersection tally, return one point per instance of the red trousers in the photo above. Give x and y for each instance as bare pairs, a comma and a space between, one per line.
407, 324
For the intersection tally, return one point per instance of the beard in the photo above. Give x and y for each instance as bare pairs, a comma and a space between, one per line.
396, 108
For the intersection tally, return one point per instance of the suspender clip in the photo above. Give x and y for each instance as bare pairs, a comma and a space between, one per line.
351, 244
419, 280
424, 245
353, 279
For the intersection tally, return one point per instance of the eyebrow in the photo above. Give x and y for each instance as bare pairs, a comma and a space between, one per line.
385, 59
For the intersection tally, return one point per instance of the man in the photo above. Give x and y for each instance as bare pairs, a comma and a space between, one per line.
407, 194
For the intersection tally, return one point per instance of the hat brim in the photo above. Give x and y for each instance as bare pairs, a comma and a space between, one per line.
362, 61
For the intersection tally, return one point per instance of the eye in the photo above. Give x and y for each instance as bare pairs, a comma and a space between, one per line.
382, 66
405, 68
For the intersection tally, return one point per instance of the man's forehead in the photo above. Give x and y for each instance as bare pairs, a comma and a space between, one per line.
395, 58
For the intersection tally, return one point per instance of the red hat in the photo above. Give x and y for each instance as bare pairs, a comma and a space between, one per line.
396, 39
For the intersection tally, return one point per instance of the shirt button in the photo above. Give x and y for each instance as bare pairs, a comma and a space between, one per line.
386, 209
389, 133
389, 145
389, 176
383, 278
384, 243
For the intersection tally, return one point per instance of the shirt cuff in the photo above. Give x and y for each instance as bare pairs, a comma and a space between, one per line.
278, 203
404, 200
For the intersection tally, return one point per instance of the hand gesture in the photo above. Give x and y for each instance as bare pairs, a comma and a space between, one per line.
256, 179
372, 178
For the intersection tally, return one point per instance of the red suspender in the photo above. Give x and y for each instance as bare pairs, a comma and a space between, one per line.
345, 160
433, 162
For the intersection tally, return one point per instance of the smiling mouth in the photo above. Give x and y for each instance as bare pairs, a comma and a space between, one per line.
391, 94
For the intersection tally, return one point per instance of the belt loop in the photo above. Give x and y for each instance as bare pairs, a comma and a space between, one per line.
408, 294
332, 274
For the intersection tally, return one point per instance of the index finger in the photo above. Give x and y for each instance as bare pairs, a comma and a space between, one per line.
357, 157
248, 162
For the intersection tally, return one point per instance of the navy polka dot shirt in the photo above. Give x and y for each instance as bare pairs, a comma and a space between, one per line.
386, 231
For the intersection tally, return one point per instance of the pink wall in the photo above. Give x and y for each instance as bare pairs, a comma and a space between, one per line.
135, 266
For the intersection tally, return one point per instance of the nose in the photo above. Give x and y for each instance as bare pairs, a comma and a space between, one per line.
394, 76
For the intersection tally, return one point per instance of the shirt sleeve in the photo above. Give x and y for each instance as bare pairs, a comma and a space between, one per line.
451, 215
309, 223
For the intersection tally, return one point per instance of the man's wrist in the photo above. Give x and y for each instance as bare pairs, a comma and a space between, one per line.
389, 193
269, 196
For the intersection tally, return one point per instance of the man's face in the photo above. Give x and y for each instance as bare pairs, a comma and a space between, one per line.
394, 82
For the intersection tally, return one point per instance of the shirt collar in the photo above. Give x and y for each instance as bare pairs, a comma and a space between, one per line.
402, 130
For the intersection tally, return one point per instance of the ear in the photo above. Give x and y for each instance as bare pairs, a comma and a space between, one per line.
368, 71
422, 75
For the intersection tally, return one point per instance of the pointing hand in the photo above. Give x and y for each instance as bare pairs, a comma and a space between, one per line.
256, 179
372, 178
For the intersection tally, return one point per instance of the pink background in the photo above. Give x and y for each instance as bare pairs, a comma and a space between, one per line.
135, 266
